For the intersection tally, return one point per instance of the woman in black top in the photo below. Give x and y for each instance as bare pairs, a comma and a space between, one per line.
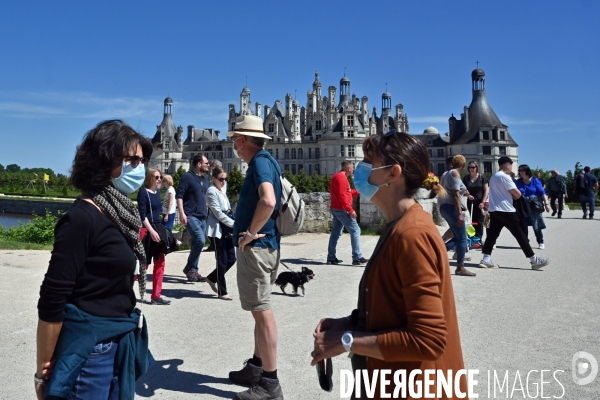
150, 206
91, 271
478, 188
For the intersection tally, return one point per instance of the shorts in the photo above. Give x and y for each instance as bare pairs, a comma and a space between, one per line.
256, 272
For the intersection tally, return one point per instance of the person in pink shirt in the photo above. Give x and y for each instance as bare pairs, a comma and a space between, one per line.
344, 215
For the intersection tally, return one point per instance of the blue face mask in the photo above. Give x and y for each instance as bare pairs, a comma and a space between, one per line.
131, 179
361, 180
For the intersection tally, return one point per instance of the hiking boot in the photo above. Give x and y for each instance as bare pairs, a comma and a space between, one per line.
360, 261
540, 262
488, 264
455, 257
247, 376
160, 300
335, 261
265, 388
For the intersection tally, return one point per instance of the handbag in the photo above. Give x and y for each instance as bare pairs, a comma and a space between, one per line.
536, 205
167, 242
226, 231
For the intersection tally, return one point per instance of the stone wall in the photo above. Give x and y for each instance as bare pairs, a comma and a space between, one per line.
318, 216
32, 206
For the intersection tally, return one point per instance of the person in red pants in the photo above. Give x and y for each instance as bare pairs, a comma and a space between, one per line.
150, 206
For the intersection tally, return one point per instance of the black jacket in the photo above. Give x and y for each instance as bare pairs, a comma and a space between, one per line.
166, 245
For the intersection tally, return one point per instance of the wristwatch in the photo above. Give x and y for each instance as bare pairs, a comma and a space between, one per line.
347, 340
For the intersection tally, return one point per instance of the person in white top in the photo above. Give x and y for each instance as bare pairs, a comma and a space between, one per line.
220, 230
503, 192
168, 205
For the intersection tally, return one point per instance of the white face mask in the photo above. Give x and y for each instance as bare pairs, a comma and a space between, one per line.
235, 152
131, 178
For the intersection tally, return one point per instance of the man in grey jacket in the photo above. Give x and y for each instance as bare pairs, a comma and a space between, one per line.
558, 190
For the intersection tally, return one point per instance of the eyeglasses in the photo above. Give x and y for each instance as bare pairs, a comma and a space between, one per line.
472, 167
222, 179
157, 177
135, 160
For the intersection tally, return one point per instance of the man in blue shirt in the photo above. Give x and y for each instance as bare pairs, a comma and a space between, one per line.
191, 202
587, 185
257, 255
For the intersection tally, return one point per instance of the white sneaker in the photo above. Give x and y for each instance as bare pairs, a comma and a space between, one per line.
540, 262
455, 257
488, 264
494, 247
542, 246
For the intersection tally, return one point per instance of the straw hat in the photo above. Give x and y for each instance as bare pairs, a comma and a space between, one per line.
249, 125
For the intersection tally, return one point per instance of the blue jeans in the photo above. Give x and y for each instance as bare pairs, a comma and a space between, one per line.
341, 220
170, 222
196, 228
459, 241
588, 199
98, 377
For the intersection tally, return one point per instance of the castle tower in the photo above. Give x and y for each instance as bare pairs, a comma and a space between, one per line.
344, 90
317, 85
245, 104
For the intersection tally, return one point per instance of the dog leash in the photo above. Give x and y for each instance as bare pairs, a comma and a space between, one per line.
282, 263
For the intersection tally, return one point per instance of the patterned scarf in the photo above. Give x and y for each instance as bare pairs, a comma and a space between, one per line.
125, 214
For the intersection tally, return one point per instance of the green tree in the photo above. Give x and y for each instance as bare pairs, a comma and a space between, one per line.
235, 179
13, 168
177, 176
303, 182
1, 168
290, 177
317, 183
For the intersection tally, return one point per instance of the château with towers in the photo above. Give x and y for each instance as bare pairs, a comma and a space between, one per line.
329, 129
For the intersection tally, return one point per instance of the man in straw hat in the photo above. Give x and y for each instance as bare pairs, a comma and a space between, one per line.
257, 255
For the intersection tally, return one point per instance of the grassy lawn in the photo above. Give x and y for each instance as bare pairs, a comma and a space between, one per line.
12, 245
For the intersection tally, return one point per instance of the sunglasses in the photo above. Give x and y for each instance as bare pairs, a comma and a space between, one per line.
472, 167
157, 177
222, 179
135, 160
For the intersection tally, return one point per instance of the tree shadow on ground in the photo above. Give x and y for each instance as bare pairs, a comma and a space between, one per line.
165, 375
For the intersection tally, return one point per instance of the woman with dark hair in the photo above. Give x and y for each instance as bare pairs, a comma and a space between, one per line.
92, 341
406, 317
218, 204
532, 189
149, 206
478, 188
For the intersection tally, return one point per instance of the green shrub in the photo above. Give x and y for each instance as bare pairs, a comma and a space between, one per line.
40, 230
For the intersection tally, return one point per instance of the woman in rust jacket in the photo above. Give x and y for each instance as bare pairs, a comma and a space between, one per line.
406, 317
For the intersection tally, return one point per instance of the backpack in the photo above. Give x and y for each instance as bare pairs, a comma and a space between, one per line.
583, 184
290, 217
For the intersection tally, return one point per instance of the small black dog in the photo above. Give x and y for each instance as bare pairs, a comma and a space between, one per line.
296, 279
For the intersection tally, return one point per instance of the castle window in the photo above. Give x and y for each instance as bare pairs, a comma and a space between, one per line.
318, 137
342, 134
318, 169
221, 155
293, 154
350, 150
286, 154
495, 135
317, 153
294, 169
430, 152
502, 150
279, 139
350, 120
300, 167
167, 145
502, 135
342, 151
229, 152
286, 167
309, 153
441, 169
300, 154
350, 133
318, 125
487, 150
487, 166
271, 127
233, 126
277, 153
166, 155
440, 152
486, 135
309, 169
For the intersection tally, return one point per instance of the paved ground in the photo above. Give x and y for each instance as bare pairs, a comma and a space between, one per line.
511, 319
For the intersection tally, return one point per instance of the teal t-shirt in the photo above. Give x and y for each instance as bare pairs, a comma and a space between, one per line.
261, 169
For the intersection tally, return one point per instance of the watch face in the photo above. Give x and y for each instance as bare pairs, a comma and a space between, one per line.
346, 338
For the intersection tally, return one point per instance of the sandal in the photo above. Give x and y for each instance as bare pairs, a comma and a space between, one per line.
465, 272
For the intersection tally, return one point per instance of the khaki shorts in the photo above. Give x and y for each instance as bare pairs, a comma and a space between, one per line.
256, 272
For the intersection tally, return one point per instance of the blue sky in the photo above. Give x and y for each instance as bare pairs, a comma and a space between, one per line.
67, 65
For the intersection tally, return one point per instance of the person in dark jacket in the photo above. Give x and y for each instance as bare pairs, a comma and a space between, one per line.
150, 206
191, 202
558, 190
91, 274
